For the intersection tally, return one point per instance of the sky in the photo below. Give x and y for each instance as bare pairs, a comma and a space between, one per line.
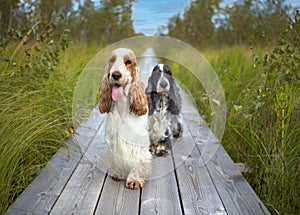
149, 15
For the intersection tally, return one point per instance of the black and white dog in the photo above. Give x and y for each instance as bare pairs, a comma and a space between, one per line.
164, 109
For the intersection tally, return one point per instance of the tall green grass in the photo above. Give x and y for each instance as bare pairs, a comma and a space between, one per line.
35, 112
262, 88
32, 127
262, 125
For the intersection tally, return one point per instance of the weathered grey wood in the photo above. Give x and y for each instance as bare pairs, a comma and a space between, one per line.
198, 193
42, 193
115, 199
160, 194
235, 192
81, 192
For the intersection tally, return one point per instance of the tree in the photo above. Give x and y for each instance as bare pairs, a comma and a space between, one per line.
7, 9
273, 17
103, 21
241, 22
206, 23
47, 10
196, 26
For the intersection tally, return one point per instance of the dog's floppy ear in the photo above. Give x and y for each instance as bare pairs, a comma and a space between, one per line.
105, 98
151, 93
167, 69
175, 101
138, 99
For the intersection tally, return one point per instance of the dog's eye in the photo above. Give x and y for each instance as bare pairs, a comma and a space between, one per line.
169, 72
127, 62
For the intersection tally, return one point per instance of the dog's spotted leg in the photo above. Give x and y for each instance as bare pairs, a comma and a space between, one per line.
176, 126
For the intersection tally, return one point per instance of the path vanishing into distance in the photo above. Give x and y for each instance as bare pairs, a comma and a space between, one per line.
197, 177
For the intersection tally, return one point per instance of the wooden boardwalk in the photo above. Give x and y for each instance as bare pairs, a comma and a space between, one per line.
198, 177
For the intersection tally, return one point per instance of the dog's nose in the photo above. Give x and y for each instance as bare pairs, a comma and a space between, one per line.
163, 84
116, 75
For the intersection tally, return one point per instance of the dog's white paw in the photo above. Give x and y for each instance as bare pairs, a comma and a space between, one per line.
135, 184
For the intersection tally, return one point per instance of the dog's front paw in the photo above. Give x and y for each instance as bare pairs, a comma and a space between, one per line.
135, 184
161, 150
158, 150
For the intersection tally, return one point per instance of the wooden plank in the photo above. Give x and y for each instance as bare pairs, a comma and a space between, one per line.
160, 194
115, 199
189, 109
235, 192
42, 193
88, 129
198, 193
82, 190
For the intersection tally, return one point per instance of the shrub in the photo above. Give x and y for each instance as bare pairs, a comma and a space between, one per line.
34, 109
263, 129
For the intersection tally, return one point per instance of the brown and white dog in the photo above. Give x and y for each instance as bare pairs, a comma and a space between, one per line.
122, 96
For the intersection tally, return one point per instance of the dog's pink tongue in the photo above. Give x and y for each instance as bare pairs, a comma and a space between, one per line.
117, 93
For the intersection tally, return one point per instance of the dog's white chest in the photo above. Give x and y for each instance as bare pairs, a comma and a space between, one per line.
126, 130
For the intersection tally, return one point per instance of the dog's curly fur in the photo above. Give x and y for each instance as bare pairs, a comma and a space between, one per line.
127, 120
165, 109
